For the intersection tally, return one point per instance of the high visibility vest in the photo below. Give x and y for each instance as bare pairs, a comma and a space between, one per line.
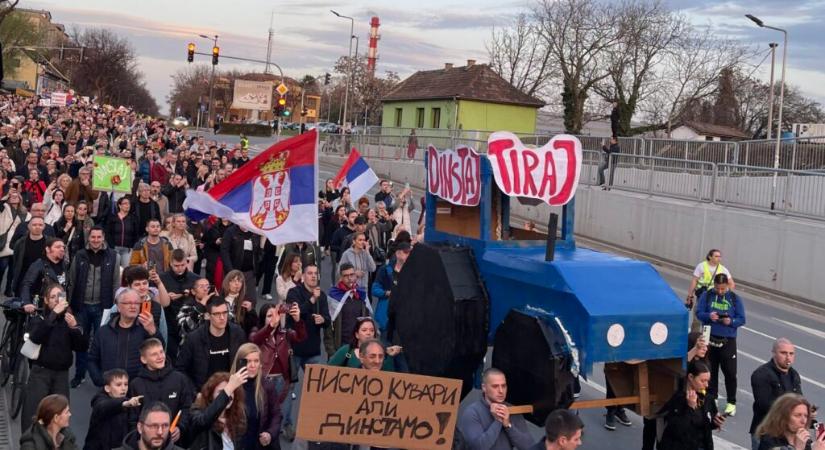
707, 277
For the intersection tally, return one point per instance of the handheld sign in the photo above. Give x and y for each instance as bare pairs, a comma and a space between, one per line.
549, 173
111, 174
383, 409
454, 175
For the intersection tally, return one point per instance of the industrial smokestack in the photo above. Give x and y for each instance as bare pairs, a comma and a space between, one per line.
372, 55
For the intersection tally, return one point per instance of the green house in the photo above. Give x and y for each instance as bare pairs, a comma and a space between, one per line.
472, 97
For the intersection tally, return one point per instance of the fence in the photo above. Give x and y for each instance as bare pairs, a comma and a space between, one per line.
692, 170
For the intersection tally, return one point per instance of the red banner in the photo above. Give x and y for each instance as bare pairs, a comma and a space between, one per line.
454, 175
549, 173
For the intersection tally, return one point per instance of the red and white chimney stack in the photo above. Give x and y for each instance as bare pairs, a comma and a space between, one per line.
372, 55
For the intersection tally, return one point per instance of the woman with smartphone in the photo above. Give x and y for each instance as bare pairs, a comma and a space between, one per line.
261, 403
787, 426
58, 335
690, 416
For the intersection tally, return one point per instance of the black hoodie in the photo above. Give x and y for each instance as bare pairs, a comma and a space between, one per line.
108, 423
167, 386
130, 442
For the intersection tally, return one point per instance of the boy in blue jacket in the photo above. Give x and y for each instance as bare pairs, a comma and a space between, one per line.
725, 313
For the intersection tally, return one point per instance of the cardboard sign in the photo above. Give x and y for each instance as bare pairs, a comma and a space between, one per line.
454, 175
44, 102
58, 99
384, 409
550, 173
111, 174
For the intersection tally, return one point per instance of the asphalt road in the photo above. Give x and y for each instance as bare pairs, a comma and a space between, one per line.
767, 319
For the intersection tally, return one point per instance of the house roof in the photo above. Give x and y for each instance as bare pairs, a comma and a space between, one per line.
48, 67
473, 82
710, 129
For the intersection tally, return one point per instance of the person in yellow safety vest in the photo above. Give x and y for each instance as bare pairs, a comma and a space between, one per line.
703, 280
244, 142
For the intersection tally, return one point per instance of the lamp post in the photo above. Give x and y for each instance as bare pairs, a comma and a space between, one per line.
773, 46
354, 63
761, 24
211, 81
349, 64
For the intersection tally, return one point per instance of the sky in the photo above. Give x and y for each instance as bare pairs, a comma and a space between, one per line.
415, 35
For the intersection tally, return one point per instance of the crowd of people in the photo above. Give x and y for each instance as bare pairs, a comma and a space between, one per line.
195, 332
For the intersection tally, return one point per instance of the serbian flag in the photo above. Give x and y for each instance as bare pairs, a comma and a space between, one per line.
273, 194
357, 175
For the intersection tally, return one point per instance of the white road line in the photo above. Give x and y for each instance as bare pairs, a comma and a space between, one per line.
811, 331
774, 338
762, 361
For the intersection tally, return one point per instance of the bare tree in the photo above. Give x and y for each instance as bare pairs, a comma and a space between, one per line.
189, 84
577, 33
646, 32
521, 56
689, 74
366, 91
6, 7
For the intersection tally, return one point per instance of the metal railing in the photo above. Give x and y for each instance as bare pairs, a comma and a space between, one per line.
710, 172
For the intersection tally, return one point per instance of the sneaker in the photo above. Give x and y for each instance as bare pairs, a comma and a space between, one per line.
76, 382
610, 422
621, 417
289, 432
730, 409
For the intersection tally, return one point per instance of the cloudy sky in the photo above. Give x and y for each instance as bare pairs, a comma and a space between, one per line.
415, 35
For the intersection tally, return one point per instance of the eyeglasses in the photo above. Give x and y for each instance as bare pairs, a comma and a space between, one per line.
156, 426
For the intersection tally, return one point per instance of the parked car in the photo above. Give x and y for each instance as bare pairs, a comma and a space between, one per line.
180, 122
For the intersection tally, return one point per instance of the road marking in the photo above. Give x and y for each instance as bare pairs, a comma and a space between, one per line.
812, 331
774, 338
762, 361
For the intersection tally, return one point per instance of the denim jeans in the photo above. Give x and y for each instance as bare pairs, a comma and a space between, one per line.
124, 255
89, 321
603, 166
291, 396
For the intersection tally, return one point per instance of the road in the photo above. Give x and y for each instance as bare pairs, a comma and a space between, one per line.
767, 319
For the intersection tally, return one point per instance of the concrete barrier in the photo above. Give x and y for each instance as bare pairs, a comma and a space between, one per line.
771, 252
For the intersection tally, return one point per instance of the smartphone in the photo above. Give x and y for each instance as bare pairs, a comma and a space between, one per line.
820, 429
152, 265
706, 333
241, 364
724, 316
146, 307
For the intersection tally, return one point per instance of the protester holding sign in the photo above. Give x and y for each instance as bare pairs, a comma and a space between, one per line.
349, 354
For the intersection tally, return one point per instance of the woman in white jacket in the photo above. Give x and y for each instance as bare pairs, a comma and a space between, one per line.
12, 213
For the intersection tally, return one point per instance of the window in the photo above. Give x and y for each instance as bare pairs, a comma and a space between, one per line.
398, 113
436, 118
419, 117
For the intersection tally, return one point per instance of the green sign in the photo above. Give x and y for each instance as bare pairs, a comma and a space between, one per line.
112, 174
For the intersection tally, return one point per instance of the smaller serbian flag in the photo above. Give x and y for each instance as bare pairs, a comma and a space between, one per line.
357, 175
272, 195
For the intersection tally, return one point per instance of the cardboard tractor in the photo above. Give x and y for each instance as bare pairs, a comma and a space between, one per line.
550, 310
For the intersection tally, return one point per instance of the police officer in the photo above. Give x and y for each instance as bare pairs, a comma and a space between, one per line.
703, 279
725, 313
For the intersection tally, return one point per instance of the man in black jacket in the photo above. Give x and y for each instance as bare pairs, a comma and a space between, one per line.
212, 346
241, 250
49, 269
117, 343
93, 278
160, 382
178, 281
315, 314
771, 380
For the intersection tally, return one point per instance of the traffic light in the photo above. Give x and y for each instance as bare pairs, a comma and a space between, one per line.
326, 79
190, 49
281, 102
215, 53
286, 113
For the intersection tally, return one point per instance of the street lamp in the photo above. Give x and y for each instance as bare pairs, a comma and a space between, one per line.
761, 24
349, 63
357, 43
211, 79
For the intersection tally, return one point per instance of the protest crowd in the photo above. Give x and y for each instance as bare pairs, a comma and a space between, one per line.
196, 331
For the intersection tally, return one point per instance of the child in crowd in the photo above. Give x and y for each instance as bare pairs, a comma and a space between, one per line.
109, 422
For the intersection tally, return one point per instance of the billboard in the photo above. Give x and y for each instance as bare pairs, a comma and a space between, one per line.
252, 95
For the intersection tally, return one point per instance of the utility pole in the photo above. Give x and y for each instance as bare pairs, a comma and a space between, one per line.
211, 78
349, 65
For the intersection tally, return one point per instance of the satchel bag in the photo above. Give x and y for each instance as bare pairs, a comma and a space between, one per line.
293, 368
30, 350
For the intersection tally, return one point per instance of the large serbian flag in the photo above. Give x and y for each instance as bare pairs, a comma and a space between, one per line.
272, 195
357, 175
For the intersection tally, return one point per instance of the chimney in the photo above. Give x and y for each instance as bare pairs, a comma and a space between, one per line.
471, 62
448, 66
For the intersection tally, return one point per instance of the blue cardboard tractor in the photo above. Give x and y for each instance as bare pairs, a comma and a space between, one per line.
549, 309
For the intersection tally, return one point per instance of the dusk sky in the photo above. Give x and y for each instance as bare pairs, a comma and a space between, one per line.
415, 35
